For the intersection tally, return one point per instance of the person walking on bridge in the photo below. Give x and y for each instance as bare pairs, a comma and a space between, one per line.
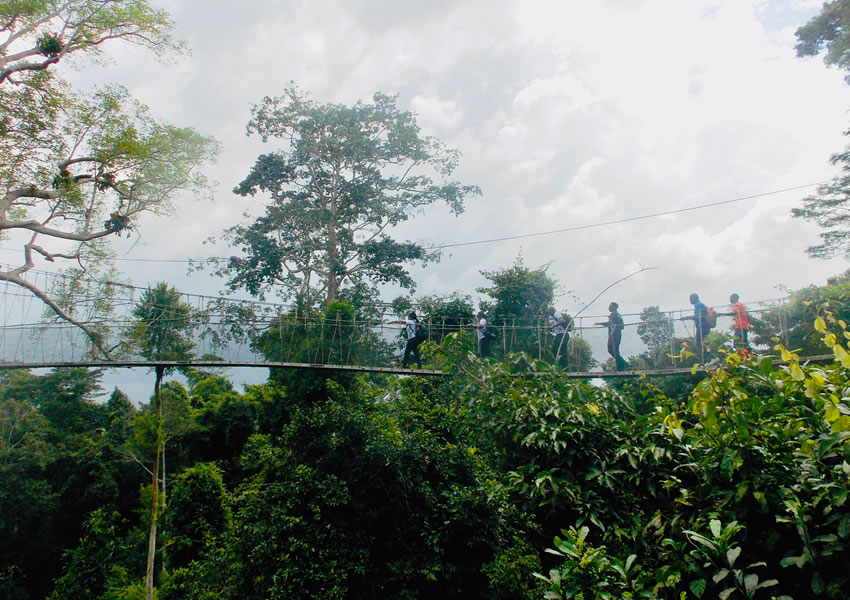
563, 324
701, 326
414, 338
615, 327
742, 322
484, 334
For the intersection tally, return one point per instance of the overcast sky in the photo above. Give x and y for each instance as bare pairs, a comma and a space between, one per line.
566, 113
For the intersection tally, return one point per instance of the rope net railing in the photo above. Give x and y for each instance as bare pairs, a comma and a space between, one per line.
237, 332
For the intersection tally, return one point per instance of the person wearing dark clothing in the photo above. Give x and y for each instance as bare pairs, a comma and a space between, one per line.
563, 324
615, 327
701, 326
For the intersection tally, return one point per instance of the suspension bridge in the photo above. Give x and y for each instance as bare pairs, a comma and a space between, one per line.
224, 332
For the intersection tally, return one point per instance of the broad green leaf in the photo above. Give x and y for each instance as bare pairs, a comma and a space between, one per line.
844, 527
796, 372
697, 587
732, 555
720, 575
818, 586
751, 580
820, 325
715, 527
832, 413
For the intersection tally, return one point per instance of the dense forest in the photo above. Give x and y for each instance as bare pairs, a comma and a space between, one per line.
502, 479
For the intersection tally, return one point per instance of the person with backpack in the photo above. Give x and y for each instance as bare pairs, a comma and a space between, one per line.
563, 324
615, 327
416, 334
742, 322
702, 319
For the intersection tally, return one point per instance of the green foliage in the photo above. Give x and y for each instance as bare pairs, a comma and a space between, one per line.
829, 30
163, 325
348, 174
792, 322
828, 208
83, 26
655, 328
97, 567
580, 355
198, 512
519, 299
333, 336
588, 573
450, 487
443, 315
79, 168
757, 455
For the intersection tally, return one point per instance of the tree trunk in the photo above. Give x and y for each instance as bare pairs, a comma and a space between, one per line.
333, 261
155, 478
164, 496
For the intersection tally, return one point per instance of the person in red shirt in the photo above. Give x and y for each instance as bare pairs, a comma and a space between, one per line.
742, 323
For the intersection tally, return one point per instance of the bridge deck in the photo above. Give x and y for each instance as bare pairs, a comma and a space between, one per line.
129, 364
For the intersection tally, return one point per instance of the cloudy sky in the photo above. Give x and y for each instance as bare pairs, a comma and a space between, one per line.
566, 113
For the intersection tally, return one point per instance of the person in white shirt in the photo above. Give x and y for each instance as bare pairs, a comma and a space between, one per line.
413, 340
563, 324
483, 334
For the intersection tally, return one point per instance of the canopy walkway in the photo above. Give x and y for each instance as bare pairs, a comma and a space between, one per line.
234, 333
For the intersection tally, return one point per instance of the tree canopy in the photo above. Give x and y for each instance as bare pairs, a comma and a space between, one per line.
828, 30
36, 34
75, 169
347, 175
829, 208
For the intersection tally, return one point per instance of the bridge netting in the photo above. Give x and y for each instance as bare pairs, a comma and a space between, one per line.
241, 332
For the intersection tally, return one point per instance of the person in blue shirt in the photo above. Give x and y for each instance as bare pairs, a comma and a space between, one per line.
701, 327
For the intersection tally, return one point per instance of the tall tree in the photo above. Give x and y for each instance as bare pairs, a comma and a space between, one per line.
162, 333
829, 30
520, 296
655, 328
347, 176
75, 170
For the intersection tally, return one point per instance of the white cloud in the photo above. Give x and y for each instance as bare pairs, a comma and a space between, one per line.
566, 113
437, 115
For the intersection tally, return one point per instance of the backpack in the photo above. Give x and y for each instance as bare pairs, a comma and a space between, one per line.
710, 317
421, 331
491, 332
